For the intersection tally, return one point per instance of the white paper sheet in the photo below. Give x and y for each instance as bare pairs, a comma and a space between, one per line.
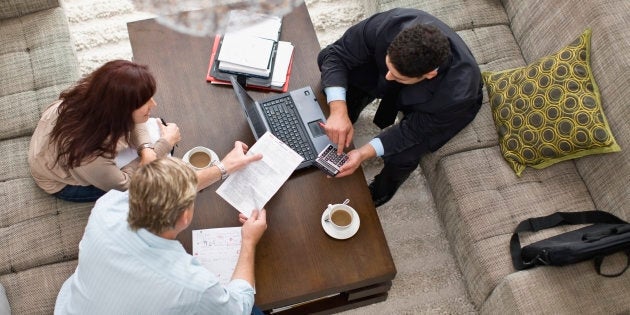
218, 250
284, 55
251, 187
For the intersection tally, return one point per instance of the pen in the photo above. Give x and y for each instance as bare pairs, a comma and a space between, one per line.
173, 149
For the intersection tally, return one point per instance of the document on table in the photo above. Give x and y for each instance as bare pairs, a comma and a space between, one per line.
218, 250
252, 186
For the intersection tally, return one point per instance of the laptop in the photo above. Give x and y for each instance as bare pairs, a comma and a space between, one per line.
292, 117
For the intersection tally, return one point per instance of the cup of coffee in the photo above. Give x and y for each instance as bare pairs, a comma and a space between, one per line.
340, 215
200, 157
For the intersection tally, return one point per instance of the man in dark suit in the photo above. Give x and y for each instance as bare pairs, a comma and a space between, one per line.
415, 64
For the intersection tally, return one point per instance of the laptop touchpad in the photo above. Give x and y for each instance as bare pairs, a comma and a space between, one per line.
316, 129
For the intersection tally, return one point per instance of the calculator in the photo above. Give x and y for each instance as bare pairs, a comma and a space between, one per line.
329, 161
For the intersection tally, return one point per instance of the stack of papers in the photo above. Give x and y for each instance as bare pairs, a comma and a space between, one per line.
284, 55
250, 48
246, 54
249, 44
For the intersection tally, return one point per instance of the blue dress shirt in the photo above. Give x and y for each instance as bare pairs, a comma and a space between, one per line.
338, 93
121, 271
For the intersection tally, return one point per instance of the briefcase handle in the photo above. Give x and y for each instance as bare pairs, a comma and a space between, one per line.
598, 260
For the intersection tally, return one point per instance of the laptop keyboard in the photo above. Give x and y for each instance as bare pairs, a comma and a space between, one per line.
283, 118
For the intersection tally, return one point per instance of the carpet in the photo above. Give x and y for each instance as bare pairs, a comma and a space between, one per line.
428, 280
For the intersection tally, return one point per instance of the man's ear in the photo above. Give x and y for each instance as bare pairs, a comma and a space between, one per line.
183, 221
430, 75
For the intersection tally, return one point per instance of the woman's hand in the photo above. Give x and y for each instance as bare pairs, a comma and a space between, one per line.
170, 132
147, 155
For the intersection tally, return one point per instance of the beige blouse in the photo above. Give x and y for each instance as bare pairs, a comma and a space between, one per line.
101, 172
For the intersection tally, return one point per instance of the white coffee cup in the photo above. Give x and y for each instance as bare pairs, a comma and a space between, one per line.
340, 216
200, 157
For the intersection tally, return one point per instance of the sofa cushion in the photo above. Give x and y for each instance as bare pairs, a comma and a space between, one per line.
494, 48
13, 8
481, 201
34, 291
574, 289
550, 110
37, 61
458, 14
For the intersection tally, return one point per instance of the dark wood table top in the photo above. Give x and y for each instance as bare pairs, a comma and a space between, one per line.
295, 259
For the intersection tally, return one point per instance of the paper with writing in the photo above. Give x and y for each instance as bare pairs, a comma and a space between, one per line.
251, 187
218, 250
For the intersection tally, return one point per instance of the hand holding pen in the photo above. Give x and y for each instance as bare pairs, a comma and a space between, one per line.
170, 132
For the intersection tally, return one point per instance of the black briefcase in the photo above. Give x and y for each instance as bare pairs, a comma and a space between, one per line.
607, 235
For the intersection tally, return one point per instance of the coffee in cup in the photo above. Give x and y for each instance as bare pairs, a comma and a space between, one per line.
200, 157
341, 216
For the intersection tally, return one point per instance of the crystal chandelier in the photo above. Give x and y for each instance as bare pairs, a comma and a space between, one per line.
209, 17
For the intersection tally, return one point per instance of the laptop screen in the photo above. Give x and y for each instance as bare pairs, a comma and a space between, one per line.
251, 110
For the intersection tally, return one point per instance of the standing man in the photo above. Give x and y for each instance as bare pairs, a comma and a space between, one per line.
131, 263
415, 64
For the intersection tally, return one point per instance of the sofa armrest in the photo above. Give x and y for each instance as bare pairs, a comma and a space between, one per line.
15, 8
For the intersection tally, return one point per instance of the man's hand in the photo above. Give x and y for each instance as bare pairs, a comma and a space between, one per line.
355, 158
338, 126
237, 158
253, 227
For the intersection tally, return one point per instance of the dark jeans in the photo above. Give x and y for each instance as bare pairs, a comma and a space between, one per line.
79, 193
257, 311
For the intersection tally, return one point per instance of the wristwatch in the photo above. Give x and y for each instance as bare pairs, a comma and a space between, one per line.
224, 173
143, 146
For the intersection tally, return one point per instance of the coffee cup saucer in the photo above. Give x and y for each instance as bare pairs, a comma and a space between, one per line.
213, 157
341, 234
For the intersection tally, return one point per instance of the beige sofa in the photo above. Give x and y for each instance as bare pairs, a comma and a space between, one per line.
479, 198
38, 233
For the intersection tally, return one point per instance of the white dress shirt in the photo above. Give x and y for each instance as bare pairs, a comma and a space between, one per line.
121, 271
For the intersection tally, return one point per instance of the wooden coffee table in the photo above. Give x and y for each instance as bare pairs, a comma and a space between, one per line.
296, 261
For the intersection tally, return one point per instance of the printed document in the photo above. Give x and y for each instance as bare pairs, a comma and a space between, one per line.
253, 186
218, 250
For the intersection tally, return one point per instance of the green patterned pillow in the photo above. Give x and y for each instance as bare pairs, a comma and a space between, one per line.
549, 111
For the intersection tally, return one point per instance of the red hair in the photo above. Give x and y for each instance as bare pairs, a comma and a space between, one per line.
97, 112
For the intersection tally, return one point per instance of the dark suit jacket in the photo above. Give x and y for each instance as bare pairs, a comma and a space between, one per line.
434, 110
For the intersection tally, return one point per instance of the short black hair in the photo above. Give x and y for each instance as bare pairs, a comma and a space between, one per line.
419, 49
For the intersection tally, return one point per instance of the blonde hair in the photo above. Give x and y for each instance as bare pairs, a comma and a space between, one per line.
159, 192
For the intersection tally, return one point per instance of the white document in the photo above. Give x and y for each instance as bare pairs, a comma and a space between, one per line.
284, 55
247, 52
218, 250
252, 186
254, 24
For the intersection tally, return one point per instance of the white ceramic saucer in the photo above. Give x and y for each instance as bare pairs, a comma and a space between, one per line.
344, 233
213, 157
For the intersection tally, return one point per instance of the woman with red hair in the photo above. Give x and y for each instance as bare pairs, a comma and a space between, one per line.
73, 149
